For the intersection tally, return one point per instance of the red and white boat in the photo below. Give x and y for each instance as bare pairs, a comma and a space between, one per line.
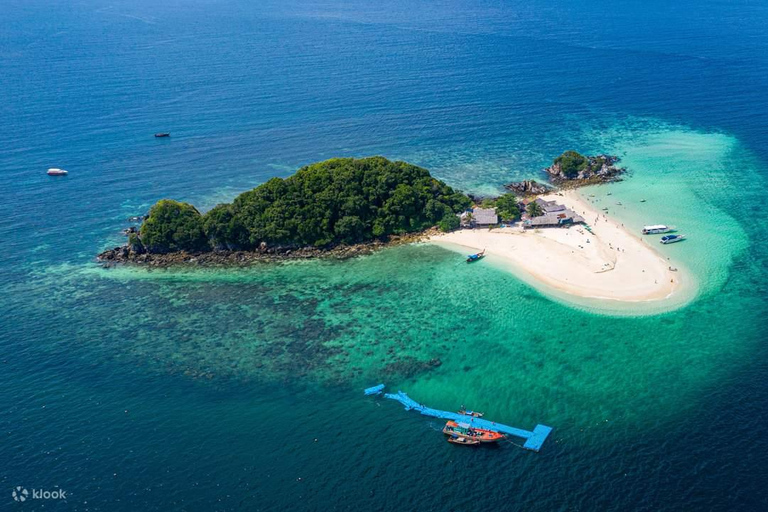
453, 428
53, 171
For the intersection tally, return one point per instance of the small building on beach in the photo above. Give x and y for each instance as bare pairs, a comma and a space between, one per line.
555, 215
483, 217
479, 217
549, 206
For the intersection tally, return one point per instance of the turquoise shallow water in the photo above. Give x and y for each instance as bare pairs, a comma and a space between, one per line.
241, 389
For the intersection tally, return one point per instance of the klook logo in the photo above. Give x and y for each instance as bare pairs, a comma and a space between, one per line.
21, 494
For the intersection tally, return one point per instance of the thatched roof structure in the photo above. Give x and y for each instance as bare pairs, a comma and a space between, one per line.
485, 216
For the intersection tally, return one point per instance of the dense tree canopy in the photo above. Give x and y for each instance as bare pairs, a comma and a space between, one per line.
572, 163
173, 226
449, 223
342, 200
507, 206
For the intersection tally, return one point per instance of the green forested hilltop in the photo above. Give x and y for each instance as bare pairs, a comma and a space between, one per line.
342, 200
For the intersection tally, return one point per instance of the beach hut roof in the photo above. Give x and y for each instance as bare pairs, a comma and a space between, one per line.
555, 218
550, 206
485, 216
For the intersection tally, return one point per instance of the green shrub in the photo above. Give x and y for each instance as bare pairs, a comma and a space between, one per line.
224, 230
173, 226
449, 223
507, 207
534, 209
572, 163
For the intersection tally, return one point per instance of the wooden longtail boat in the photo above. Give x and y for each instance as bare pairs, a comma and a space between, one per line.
476, 257
466, 441
464, 429
474, 414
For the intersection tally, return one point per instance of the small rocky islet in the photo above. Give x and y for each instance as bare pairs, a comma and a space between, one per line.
572, 170
339, 208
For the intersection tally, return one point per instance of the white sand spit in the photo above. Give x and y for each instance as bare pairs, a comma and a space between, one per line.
610, 263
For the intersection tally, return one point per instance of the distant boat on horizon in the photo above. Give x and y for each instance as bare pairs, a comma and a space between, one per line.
54, 171
162, 134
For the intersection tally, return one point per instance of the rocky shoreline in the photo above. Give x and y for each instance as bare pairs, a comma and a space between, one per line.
528, 188
595, 171
127, 255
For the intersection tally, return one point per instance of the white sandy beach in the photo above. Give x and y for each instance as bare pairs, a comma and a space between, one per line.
610, 263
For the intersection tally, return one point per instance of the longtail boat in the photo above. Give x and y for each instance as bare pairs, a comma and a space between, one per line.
464, 429
466, 441
474, 414
476, 257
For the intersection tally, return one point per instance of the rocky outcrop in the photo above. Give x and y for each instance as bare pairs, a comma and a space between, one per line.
528, 188
571, 170
574, 170
134, 253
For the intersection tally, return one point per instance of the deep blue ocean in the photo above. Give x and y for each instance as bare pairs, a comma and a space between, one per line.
135, 393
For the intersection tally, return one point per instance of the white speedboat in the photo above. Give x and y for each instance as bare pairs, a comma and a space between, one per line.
53, 171
670, 239
657, 229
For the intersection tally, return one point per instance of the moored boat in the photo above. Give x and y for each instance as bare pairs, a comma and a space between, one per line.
466, 441
474, 414
466, 430
656, 229
476, 257
53, 171
162, 134
670, 239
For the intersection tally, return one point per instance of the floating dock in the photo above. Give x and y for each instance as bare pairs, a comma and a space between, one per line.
375, 390
533, 440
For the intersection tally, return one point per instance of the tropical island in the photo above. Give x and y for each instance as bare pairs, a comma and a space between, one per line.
342, 206
346, 207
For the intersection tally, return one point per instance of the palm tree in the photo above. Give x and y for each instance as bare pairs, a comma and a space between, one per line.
534, 209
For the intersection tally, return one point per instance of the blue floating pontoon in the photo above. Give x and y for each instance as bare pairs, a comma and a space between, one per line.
375, 390
533, 440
